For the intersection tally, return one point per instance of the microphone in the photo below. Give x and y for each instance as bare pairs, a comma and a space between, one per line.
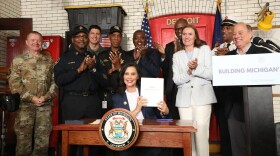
275, 45
260, 41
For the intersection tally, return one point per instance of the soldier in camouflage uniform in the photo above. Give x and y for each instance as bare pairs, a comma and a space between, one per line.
32, 77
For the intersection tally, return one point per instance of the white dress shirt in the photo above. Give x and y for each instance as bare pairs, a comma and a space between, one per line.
132, 101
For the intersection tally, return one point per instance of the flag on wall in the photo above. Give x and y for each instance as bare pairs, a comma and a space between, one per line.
146, 27
217, 35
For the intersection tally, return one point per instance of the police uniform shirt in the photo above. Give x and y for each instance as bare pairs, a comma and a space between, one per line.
231, 46
105, 62
66, 74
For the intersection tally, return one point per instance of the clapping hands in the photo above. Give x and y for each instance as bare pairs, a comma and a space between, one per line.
192, 64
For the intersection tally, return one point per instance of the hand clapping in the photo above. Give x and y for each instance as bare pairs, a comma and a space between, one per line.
90, 61
221, 51
115, 58
192, 64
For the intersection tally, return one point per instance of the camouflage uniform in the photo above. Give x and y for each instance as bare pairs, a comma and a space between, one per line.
33, 76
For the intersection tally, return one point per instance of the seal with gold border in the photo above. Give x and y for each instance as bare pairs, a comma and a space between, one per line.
119, 129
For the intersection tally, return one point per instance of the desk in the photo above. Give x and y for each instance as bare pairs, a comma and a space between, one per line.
152, 133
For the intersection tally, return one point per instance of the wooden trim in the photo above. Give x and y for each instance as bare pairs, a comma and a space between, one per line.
92, 6
95, 6
4, 70
275, 95
24, 25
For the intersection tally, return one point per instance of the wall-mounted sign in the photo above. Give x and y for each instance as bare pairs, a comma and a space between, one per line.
162, 28
191, 20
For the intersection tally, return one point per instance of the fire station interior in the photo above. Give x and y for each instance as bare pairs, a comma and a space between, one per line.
13, 33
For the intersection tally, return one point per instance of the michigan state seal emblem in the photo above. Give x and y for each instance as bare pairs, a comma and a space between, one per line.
119, 129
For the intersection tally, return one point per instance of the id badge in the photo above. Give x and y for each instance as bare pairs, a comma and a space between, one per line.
104, 104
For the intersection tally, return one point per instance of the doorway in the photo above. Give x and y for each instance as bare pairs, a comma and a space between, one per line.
13, 27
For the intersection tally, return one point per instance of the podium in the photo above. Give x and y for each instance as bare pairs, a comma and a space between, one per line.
256, 73
259, 121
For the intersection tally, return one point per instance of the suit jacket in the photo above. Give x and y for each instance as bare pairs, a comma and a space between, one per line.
120, 101
198, 84
233, 95
149, 64
166, 66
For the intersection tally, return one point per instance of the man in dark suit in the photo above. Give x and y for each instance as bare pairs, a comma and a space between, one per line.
148, 59
219, 107
234, 105
170, 89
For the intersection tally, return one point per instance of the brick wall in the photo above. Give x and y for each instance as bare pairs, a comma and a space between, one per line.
50, 18
9, 9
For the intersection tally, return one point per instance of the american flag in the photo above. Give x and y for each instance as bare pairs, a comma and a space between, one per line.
105, 41
146, 28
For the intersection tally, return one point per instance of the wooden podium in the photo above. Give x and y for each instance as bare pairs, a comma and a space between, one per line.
259, 121
256, 73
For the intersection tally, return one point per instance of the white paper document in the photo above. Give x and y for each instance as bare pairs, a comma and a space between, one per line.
152, 90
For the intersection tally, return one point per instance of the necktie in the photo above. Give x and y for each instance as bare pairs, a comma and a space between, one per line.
228, 45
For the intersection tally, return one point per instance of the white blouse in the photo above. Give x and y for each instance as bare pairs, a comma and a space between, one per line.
132, 101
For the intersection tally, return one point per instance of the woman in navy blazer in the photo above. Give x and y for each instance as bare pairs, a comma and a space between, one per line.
128, 98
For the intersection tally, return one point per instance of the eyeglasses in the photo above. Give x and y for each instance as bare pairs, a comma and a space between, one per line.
81, 36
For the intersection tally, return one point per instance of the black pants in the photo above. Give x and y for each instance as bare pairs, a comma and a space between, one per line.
222, 120
76, 107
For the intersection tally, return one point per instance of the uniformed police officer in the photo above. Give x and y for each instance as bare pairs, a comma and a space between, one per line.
75, 75
110, 63
32, 77
220, 107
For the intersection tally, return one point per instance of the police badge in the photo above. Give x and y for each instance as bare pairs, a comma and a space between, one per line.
119, 129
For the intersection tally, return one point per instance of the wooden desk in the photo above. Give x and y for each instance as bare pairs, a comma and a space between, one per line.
153, 133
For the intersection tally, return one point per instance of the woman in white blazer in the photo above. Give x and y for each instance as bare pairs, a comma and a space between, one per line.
192, 73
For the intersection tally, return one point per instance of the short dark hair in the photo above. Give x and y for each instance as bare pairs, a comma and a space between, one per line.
95, 27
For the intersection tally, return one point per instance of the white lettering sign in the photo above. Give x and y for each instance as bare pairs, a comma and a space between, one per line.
256, 69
